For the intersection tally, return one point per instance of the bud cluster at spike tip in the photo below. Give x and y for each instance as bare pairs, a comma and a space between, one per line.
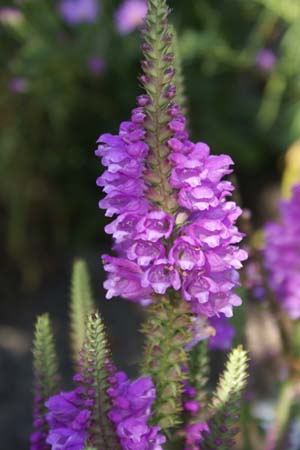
282, 254
131, 411
189, 247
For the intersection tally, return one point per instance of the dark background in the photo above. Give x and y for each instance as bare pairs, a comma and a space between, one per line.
48, 197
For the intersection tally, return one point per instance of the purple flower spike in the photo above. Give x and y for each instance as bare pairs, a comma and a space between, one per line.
175, 226
282, 255
79, 11
130, 15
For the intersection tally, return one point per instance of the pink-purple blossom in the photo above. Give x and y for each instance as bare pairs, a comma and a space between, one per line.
131, 411
130, 15
79, 11
282, 254
203, 258
125, 279
69, 420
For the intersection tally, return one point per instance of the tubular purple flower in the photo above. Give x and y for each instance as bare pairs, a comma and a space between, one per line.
131, 410
282, 254
125, 279
160, 276
69, 419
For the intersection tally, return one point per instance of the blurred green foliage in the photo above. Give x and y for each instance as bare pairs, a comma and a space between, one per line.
48, 198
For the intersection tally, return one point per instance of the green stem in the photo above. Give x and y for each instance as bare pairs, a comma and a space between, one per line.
167, 331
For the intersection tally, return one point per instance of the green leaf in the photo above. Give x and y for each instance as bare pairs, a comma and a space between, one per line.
45, 359
81, 306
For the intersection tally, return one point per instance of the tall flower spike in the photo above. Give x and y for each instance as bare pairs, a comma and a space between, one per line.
46, 380
81, 305
175, 230
96, 369
225, 402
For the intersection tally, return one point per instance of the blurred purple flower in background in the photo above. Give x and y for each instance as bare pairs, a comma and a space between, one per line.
78, 11
10, 16
265, 59
130, 15
225, 333
18, 85
282, 254
96, 65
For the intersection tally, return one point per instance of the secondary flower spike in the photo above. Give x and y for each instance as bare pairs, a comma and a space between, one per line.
174, 226
282, 254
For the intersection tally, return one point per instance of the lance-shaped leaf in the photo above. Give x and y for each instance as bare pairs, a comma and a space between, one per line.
97, 368
81, 305
226, 402
45, 359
